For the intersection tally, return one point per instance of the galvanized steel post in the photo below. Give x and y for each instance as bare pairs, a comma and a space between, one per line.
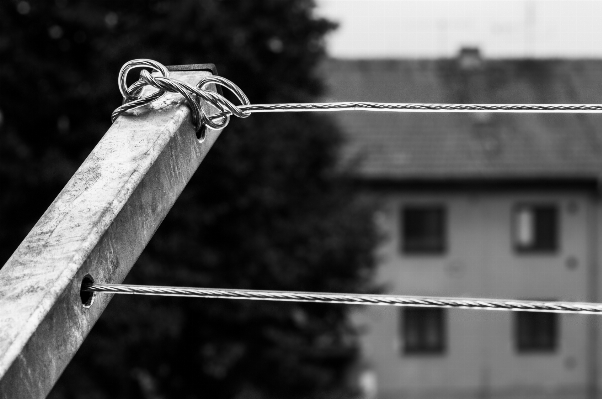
98, 226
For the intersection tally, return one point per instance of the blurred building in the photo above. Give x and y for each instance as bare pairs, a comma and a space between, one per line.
486, 205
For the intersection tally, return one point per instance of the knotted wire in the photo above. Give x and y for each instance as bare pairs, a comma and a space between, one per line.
352, 299
192, 95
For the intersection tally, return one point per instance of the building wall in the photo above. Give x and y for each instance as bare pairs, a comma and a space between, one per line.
481, 359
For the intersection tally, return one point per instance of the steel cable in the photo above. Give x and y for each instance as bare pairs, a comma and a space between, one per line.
420, 107
225, 108
352, 299
219, 120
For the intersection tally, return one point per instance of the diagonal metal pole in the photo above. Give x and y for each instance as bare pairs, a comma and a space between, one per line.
98, 226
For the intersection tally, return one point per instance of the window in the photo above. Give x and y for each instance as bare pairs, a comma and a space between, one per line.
423, 331
423, 229
536, 332
536, 228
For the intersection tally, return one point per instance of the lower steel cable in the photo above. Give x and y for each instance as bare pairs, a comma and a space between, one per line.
352, 299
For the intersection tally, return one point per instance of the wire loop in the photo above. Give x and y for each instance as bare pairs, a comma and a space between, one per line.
130, 94
192, 95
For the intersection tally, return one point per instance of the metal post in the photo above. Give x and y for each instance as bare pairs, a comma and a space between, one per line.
98, 226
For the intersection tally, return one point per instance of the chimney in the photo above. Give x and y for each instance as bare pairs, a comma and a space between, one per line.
469, 59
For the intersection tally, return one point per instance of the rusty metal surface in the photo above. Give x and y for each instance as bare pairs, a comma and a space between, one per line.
98, 225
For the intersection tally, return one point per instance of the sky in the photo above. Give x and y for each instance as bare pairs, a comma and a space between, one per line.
439, 28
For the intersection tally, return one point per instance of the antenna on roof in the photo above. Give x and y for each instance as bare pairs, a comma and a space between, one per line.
530, 21
469, 58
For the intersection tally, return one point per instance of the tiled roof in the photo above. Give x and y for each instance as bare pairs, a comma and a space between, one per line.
467, 145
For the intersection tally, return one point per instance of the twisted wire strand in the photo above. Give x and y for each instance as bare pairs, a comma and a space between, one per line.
352, 299
420, 107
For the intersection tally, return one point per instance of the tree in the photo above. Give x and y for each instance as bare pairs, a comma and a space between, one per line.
267, 209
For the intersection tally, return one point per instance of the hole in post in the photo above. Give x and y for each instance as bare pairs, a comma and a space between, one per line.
201, 133
87, 297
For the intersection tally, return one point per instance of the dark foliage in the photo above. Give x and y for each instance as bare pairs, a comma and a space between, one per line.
267, 209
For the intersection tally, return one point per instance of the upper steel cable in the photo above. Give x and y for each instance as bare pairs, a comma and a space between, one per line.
193, 96
420, 107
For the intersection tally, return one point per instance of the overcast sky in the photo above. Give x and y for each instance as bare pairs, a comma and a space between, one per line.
435, 28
